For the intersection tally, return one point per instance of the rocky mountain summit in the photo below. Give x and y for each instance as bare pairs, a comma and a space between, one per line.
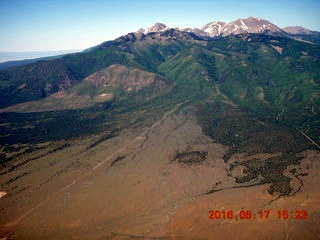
298, 30
239, 26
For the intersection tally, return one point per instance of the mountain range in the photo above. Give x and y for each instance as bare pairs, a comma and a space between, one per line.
240, 26
212, 29
142, 137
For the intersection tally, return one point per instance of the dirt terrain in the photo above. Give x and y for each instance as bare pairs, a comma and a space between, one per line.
156, 182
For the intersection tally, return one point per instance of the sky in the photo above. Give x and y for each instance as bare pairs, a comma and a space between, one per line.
51, 25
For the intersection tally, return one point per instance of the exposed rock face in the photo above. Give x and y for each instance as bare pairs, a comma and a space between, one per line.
127, 77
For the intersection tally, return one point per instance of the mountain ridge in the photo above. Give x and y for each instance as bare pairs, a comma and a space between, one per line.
239, 26
211, 29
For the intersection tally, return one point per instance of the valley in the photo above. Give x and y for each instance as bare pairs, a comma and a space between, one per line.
128, 187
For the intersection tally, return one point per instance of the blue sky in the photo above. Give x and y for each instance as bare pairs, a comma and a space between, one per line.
42, 25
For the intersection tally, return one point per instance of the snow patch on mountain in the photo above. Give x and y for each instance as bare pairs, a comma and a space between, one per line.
213, 28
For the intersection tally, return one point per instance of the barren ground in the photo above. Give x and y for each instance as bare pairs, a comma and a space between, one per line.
129, 187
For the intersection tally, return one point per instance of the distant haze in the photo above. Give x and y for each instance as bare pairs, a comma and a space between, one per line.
14, 56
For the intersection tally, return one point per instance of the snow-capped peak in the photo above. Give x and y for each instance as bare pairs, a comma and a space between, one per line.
157, 27
213, 28
240, 26
251, 25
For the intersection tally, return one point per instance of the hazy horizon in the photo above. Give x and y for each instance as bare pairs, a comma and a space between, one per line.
26, 55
